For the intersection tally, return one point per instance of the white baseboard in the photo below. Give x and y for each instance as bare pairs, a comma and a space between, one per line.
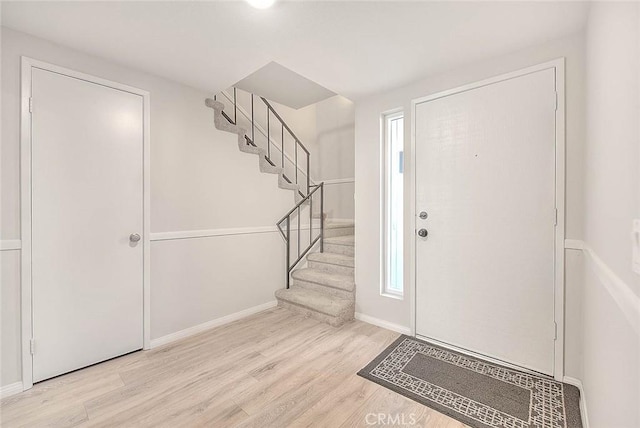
583, 400
11, 389
382, 323
210, 324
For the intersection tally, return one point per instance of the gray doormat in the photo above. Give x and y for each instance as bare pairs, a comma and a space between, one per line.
476, 392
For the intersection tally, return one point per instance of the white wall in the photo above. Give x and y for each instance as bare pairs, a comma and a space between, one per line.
10, 329
368, 180
611, 301
335, 160
325, 128
199, 180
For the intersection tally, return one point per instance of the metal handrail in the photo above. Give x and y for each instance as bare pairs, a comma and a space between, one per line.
283, 126
275, 113
256, 127
312, 241
302, 201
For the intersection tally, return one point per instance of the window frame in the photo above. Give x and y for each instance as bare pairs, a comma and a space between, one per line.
385, 259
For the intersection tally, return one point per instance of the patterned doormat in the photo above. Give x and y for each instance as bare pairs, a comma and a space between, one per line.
473, 391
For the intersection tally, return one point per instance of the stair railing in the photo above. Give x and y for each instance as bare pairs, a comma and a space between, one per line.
310, 189
286, 232
301, 169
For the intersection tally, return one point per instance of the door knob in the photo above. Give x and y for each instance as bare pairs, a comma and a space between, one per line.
134, 237
423, 232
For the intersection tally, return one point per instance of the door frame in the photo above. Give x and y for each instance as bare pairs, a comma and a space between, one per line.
27, 65
559, 67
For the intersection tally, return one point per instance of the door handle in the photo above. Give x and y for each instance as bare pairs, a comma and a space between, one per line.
134, 237
423, 233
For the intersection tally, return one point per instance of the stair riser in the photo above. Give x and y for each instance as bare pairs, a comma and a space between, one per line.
331, 268
269, 169
333, 321
347, 250
329, 291
338, 231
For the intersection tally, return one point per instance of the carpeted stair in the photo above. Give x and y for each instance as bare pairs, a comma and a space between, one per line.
326, 288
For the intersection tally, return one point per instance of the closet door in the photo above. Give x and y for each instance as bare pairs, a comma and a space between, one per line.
87, 218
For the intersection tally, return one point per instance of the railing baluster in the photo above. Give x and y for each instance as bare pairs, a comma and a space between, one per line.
235, 107
308, 175
253, 126
268, 129
296, 157
310, 219
312, 241
288, 268
282, 145
322, 217
299, 230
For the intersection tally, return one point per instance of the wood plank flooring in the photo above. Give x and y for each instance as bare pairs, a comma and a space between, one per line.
273, 369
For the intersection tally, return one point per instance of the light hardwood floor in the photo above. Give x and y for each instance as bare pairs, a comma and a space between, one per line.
273, 369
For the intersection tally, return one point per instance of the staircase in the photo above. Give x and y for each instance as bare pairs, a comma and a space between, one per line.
245, 144
325, 288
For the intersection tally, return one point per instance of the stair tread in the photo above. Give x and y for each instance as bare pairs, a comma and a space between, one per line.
342, 282
332, 258
341, 240
328, 305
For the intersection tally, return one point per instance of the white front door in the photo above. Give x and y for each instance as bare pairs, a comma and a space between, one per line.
87, 199
485, 176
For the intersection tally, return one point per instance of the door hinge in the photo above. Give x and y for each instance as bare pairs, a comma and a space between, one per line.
555, 330
30, 104
556, 101
555, 217
32, 346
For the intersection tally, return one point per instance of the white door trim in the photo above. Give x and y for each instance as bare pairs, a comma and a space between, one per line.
27, 65
558, 65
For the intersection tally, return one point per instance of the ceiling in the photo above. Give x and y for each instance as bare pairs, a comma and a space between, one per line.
352, 48
279, 84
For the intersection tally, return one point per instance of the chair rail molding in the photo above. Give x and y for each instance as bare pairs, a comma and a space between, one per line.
10, 244
339, 181
573, 244
205, 233
620, 292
